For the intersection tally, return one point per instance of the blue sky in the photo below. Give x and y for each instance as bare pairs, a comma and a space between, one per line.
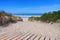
29, 6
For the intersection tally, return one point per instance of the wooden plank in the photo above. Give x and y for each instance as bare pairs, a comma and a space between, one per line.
32, 38
25, 36
11, 36
18, 37
43, 38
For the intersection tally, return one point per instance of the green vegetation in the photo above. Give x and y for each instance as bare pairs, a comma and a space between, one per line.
3, 13
48, 17
8, 17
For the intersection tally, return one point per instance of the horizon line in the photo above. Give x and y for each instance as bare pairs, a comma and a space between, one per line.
27, 14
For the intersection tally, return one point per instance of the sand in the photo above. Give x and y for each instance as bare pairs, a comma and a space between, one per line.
46, 29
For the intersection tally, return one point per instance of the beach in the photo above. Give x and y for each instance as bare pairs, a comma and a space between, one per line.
40, 28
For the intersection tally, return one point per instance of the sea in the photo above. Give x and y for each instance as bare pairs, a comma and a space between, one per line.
27, 16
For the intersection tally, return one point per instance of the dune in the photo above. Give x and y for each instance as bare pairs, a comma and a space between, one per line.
39, 28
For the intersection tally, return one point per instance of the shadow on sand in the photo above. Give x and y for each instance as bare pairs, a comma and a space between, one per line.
5, 25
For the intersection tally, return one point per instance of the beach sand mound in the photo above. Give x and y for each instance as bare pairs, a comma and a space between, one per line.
31, 28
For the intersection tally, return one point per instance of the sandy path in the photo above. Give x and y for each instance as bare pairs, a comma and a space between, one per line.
44, 29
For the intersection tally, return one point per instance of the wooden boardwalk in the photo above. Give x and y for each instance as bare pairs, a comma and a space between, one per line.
23, 36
